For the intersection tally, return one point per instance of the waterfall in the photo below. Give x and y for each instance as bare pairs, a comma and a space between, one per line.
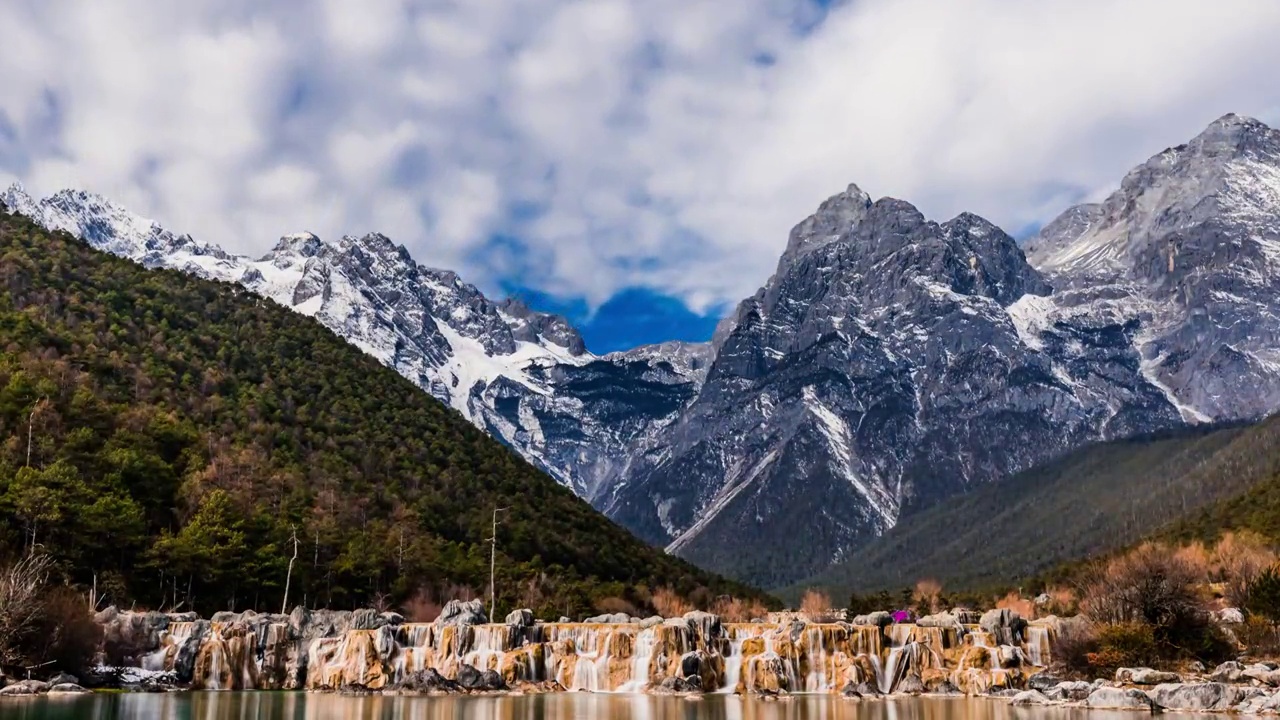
1036, 647
488, 647
641, 660
816, 679
732, 663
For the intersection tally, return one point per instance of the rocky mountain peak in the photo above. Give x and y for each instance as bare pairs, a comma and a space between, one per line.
303, 244
834, 217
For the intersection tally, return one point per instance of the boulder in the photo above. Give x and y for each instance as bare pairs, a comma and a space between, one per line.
910, 685
1073, 690
429, 680
66, 689
460, 613
879, 618
521, 618
64, 679
1030, 697
672, 685
106, 615
1195, 696
609, 619
867, 689
691, 665
705, 623
1042, 681
492, 680
393, 619
1004, 625
850, 691
1228, 616
1261, 672
469, 678
366, 619
947, 688
651, 621
940, 620
25, 687
1114, 698
1145, 676
1228, 672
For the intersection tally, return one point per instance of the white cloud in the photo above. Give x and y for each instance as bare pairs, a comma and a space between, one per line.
623, 142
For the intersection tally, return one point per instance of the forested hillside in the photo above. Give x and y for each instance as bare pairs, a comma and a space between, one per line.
1090, 501
170, 438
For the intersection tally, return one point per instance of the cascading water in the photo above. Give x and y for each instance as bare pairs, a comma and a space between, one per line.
262, 652
641, 661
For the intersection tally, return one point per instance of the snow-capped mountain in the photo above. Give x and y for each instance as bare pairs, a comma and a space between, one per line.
891, 361
886, 364
1188, 247
525, 376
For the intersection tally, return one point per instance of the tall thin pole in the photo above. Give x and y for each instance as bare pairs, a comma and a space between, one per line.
31, 424
493, 559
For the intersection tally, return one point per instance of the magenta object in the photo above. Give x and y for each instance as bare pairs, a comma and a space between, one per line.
902, 616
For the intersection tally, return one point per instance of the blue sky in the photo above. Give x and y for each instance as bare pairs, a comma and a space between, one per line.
636, 164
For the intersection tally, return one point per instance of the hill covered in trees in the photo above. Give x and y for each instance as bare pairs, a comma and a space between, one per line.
1088, 502
178, 441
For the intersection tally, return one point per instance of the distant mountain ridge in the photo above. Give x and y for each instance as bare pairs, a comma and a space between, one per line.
890, 361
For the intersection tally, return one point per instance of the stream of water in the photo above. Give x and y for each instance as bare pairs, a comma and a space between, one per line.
556, 706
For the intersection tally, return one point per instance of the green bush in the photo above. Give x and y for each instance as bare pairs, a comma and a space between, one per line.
1263, 596
1124, 645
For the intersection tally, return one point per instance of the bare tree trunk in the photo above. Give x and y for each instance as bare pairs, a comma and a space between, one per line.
284, 604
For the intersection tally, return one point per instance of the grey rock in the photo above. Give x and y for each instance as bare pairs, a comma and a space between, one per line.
850, 691
522, 618
25, 687
1228, 672
867, 689
610, 619
910, 685
705, 623
66, 688
879, 618
492, 680
1069, 690
1042, 681
940, 620
429, 680
1228, 616
651, 621
1145, 676
462, 612
469, 678
1196, 696
64, 679
1030, 697
947, 688
1113, 698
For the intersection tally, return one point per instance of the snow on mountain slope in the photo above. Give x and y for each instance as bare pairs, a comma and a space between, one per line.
1189, 248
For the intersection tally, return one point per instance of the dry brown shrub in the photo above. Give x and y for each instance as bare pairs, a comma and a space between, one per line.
1063, 601
1237, 560
668, 603
426, 603
1259, 637
22, 585
1152, 584
611, 605
816, 605
1197, 559
1015, 602
927, 596
736, 610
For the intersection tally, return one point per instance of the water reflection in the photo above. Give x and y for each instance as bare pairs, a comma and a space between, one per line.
576, 706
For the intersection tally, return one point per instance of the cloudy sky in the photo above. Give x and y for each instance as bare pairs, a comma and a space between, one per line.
634, 163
